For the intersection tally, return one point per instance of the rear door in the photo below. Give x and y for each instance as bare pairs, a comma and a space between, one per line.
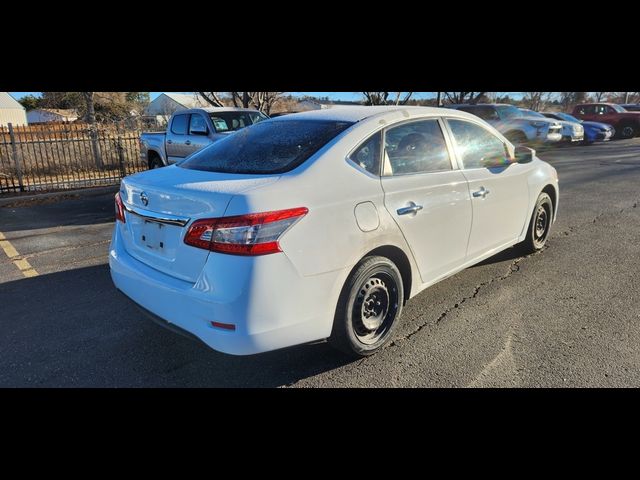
177, 137
499, 196
426, 196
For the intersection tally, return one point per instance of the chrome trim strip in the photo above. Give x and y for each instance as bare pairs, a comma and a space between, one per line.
163, 218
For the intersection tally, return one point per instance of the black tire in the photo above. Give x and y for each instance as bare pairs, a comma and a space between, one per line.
155, 162
586, 142
628, 131
369, 307
539, 225
516, 138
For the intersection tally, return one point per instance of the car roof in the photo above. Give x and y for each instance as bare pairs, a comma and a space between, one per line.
216, 110
363, 112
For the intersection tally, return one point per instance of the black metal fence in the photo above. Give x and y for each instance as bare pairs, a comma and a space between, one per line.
66, 155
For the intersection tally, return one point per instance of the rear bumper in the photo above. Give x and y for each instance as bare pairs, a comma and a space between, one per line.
270, 304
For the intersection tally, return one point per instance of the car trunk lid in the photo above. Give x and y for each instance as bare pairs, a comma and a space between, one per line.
161, 204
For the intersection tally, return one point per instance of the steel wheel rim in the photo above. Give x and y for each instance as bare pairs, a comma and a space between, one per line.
541, 224
375, 308
627, 131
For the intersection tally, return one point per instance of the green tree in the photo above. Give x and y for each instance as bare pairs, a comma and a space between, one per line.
30, 102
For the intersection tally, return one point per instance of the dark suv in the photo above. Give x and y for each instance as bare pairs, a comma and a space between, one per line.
627, 124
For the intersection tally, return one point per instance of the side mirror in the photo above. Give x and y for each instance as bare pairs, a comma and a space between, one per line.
495, 161
524, 154
199, 130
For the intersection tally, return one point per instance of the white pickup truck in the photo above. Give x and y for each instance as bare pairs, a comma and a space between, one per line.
190, 130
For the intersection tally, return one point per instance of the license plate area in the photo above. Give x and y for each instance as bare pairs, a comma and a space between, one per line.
152, 235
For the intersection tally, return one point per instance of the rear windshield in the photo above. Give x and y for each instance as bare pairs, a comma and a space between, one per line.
274, 146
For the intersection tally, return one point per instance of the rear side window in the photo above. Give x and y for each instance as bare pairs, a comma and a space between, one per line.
474, 143
274, 146
179, 124
585, 110
416, 147
367, 155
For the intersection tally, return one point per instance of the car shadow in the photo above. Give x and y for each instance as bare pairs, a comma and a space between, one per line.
37, 213
505, 255
73, 329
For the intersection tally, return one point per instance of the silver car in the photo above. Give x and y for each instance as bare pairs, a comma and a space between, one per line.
515, 125
572, 132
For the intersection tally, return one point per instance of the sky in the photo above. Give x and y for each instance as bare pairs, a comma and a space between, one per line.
331, 95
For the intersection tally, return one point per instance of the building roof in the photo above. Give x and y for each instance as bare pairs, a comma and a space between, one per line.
7, 101
358, 113
187, 100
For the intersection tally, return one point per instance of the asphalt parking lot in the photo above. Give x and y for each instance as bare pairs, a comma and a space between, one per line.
567, 316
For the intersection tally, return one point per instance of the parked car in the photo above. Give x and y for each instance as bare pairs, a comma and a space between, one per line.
593, 131
320, 225
514, 125
572, 131
627, 124
190, 130
631, 107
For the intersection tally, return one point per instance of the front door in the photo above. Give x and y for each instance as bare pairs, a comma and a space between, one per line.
500, 196
177, 138
427, 198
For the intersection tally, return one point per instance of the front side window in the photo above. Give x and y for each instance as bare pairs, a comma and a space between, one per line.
416, 147
276, 146
179, 124
484, 112
474, 144
198, 123
367, 155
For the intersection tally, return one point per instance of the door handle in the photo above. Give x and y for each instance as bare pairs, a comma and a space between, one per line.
188, 142
412, 208
481, 193
169, 142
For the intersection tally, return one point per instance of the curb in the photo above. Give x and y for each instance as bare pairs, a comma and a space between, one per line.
83, 192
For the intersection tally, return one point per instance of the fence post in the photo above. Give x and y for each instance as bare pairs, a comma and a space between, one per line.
16, 157
120, 149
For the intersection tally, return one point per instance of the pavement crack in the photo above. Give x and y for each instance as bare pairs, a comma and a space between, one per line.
514, 267
569, 230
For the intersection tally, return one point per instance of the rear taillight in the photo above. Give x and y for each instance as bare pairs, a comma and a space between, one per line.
252, 234
120, 209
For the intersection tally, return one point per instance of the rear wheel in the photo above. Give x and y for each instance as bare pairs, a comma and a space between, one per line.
539, 226
368, 308
154, 162
628, 131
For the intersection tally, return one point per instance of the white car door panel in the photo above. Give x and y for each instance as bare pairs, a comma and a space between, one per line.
428, 199
499, 195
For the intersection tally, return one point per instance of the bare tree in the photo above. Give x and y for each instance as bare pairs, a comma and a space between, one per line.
262, 101
463, 97
93, 131
212, 98
536, 100
599, 96
382, 98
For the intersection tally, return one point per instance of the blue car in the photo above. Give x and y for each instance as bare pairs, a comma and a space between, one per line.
593, 131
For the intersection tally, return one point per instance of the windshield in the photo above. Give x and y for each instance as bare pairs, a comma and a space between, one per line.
531, 113
232, 121
276, 146
508, 111
568, 118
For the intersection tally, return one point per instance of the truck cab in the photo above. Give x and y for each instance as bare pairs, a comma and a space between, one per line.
191, 130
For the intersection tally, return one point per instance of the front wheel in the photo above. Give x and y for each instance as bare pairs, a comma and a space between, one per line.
539, 226
368, 308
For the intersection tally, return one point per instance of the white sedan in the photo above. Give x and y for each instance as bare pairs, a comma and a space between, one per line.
321, 225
